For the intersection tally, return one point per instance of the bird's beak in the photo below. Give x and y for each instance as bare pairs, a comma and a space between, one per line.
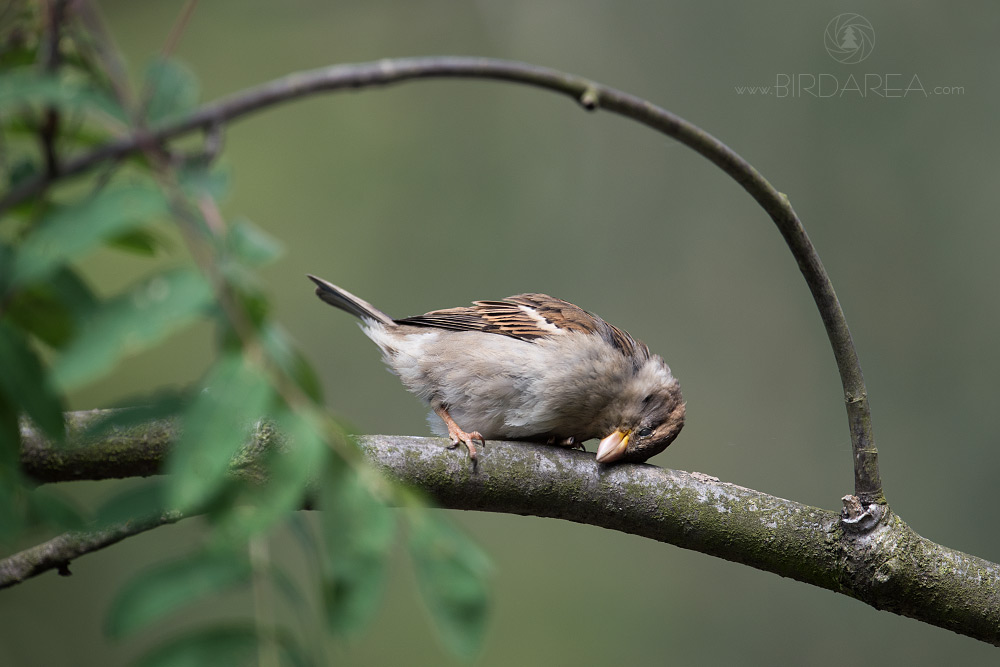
612, 447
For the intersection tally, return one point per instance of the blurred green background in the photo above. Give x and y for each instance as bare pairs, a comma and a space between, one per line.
432, 194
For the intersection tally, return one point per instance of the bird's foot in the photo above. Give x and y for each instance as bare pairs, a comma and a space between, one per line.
458, 436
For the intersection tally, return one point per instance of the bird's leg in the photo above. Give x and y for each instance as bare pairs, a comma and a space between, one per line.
457, 435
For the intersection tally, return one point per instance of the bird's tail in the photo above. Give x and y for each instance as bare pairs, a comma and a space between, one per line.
341, 298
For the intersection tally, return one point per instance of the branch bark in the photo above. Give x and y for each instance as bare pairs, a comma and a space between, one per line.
57, 553
866, 553
591, 96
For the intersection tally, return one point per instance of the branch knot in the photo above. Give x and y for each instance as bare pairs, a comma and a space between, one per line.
590, 98
858, 519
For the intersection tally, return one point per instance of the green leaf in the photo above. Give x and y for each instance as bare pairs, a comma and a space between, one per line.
69, 232
25, 384
13, 489
291, 465
293, 596
252, 245
302, 530
198, 180
357, 531
26, 85
141, 317
6, 259
143, 500
172, 90
17, 55
229, 645
143, 242
75, 135
167, 588
291, 361
233, 646
236, 396
302, 608
249, 297
451, 574
22, 171
138, 412
53, 310
48, 508
10, 438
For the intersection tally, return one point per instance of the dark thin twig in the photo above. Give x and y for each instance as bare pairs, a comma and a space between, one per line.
867, 482
49, 58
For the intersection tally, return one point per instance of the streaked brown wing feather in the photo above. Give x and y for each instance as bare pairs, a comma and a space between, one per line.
528, 317
624, 342
506, 318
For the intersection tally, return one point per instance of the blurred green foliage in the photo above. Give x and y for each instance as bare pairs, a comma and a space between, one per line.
57, 336
433, 194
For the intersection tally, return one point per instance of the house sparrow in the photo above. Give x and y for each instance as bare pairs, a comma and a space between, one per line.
530, 367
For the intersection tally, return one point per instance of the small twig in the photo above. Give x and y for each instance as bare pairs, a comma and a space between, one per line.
173, 39
49, 54
101, 43
211, 148
57, 553
867, 482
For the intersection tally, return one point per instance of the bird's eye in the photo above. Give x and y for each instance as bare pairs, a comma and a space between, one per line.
644, 432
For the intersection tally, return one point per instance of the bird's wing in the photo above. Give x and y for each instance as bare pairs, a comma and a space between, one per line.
528, 317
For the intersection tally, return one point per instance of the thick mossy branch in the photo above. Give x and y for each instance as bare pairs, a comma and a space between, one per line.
120, 452
884, 563
872, 556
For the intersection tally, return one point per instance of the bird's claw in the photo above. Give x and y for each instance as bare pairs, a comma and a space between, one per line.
460, 437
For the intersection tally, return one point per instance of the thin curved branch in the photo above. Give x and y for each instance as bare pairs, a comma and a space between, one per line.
874, 557
867, 482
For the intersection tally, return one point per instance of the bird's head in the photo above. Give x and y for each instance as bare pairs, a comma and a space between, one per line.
646, 417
